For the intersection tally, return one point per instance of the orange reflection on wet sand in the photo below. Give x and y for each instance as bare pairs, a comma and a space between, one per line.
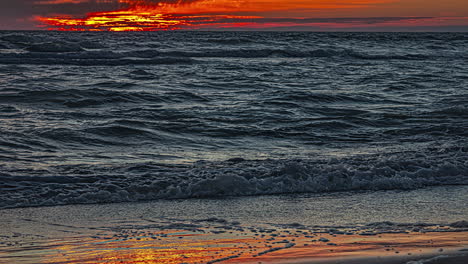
201, 247
174, 247
362, 247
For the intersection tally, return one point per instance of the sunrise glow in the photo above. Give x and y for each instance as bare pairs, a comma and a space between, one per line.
153, 15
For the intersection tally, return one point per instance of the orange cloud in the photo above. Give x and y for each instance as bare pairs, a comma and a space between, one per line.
139, 15
242, 6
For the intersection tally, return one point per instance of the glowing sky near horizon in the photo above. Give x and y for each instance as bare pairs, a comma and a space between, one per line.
120, 15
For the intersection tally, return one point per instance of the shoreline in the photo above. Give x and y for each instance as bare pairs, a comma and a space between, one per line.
375, 227
218, 241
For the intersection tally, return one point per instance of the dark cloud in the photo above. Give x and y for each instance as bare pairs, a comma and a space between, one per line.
19, 14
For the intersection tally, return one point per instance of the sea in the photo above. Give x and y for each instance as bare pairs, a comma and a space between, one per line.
118, 117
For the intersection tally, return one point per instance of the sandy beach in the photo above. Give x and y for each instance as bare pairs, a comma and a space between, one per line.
266, 229
218, 241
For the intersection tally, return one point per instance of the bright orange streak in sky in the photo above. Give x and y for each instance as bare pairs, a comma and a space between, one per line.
144, 15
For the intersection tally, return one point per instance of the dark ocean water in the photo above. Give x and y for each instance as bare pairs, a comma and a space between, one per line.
114, 117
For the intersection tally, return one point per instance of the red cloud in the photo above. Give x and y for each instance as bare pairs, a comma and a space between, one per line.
145, 15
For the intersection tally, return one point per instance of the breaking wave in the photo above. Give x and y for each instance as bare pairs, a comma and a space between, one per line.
236, 177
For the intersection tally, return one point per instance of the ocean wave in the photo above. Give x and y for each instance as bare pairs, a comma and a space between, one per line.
116, 130
230, 40
57, 47
74, 54
20, 38
108, 93
79, 97
95, 62
40, 43
7, 109
237, 177
460, 111
289, 53
309, 96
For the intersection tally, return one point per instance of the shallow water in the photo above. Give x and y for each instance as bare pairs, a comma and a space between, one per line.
116, 117
434, 205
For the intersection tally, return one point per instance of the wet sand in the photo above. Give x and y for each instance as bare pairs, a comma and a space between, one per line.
352, 228
219, 241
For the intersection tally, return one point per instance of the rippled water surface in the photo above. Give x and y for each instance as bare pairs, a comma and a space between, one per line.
113, 117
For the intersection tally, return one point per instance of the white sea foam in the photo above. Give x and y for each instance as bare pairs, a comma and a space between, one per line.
207, 179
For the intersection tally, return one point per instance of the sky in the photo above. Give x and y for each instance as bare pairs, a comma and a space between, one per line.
307, 15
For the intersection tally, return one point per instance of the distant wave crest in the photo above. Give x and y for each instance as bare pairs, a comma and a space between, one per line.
61, 55
30, 49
